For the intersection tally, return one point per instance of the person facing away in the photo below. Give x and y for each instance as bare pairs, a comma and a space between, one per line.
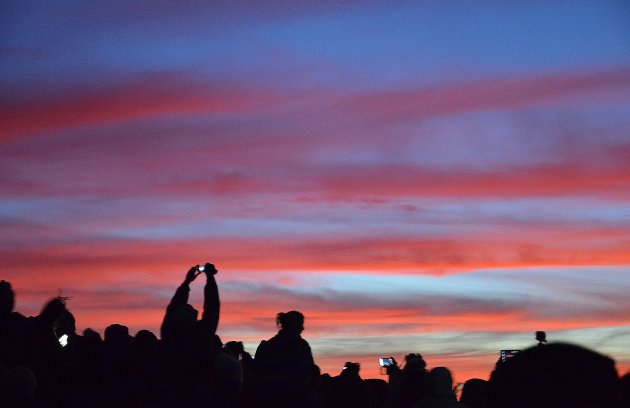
180, 320
409, 384
285, 362
440, 390
13, 329
474, 394
287, 346
190, 345
348, 389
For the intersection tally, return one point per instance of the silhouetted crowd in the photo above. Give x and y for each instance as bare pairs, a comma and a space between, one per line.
45, 363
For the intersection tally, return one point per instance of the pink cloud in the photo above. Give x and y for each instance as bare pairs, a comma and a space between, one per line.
564, 89
170, 94
145, 96
501, 243
518, 181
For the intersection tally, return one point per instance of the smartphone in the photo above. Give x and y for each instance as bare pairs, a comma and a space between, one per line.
63, 340
201, 268
508, 354
385, 361
458, 390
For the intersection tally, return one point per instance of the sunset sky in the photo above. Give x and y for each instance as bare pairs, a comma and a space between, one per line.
441, 177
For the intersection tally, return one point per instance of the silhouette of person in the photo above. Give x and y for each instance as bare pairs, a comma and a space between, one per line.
625, 389
286, 346
181, 317
190, 346
441, 390
70, 367
474, 393
348, 389
556, 375
285, 362
409, 384
142, 371
43, 349
13, 329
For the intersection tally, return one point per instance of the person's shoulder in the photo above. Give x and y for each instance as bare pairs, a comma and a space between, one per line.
17, 315
14, 318
274, 340
262, 346
15, 321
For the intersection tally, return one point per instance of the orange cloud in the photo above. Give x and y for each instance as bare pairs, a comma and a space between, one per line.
500, 245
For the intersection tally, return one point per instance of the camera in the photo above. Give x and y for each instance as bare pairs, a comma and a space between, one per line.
508, 354
207, 268
386, 361
458, 390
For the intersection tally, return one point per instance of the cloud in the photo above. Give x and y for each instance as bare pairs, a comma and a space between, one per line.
419, 202
143, 96
172, 93
494, 94
448, 319
129, 235
167, 135
525, 181
249, 306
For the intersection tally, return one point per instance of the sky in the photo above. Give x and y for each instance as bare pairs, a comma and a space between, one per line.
435, 177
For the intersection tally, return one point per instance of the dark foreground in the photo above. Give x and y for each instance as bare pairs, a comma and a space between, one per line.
45, 363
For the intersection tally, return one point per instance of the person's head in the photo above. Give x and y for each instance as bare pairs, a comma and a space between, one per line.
351, 369
415, 363
441, 382
474, 393
555, 375
7, 298
53, 310
184, 318
234, 349
116, 333
144, 344
292, 321
145, 339
66, 324
92, 335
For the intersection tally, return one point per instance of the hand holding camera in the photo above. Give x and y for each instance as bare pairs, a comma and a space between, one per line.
197, 270
208, 269
386, 361
387, 365
192, 274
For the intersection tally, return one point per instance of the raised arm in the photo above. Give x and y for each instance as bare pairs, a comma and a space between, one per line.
211, 303
180, 298
181, 294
